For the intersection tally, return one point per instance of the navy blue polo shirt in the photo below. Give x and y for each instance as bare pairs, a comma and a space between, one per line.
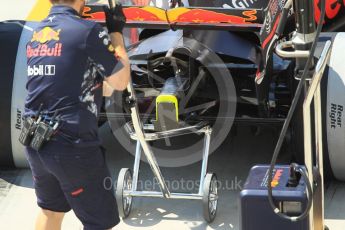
68, 58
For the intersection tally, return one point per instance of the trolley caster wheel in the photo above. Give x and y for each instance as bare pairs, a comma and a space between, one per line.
124, 202
210, 197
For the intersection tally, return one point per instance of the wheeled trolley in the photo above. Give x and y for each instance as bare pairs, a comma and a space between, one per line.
127, 182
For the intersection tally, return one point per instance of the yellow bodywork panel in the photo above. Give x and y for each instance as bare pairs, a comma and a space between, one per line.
167, 98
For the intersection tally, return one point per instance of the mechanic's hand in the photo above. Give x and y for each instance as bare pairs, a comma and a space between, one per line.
114, 18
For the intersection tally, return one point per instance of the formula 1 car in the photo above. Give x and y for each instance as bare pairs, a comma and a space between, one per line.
205, 61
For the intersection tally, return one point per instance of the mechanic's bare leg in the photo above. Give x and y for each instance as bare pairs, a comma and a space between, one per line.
49, 220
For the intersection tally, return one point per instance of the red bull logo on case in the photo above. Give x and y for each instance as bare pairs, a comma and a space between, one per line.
45, 35
276, 178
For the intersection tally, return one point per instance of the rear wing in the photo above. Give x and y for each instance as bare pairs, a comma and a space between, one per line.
184, 18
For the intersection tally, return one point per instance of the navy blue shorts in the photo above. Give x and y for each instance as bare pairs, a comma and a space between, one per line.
68, 178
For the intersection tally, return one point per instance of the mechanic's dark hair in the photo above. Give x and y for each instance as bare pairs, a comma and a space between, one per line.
61, 1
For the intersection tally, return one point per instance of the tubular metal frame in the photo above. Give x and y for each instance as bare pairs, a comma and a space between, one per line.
282, 52
316, 215
143, 138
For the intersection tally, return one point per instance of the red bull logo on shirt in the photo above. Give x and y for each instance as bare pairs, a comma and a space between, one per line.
43, 50
45, 35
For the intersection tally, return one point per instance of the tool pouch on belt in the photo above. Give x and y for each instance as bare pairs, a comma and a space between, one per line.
27, 132
42, 134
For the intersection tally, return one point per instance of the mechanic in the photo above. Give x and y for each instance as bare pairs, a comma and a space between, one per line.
70, 62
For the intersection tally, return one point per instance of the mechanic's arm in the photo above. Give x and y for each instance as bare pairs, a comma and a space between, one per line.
107, 89
115, 21
120, 79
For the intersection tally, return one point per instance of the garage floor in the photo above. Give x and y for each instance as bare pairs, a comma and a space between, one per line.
231, 162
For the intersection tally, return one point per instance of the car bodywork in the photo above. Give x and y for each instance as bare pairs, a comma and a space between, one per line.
188, 34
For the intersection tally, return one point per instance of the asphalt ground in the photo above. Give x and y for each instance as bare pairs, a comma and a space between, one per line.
232, 162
